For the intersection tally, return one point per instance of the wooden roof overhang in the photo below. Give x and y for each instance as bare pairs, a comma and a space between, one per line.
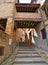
27, 7
26, 24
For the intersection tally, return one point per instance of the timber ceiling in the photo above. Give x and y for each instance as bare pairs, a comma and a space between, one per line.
26, 7
26, 24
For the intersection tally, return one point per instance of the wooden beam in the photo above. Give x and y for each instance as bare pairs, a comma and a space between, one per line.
27, 7
26, 24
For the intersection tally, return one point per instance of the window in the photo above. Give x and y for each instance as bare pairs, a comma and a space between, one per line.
43, 33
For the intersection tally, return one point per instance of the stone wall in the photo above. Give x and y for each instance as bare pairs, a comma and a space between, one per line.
17, 35
4, 41
46, 24
7, 1
40, 42
6, 10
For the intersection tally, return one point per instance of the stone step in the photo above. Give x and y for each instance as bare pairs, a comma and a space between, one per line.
26, 48
27, 51
34, 62
30, 64
27, 55
28, 59
33, 52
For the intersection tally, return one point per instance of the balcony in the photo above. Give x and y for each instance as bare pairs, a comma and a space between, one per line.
27, 20
27, 16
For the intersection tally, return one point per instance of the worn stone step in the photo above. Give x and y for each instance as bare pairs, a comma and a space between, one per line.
30, 64
28, 59
27, 51
27, 55
33, 52
34, 62
26, 48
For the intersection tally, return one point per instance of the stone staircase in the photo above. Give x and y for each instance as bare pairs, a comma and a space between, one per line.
28, 56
